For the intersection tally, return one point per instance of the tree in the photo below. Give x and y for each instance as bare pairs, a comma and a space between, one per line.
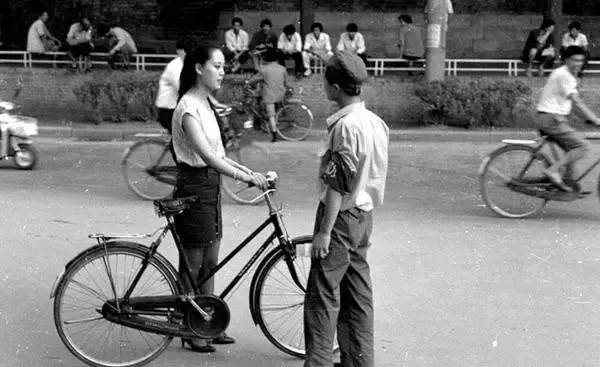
554, 10
307, 15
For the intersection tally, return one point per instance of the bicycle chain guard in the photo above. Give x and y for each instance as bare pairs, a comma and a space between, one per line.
218, 312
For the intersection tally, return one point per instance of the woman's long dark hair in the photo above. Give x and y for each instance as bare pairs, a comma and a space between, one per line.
188, 78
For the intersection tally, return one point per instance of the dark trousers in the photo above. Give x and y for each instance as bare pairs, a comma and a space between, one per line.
363, 57
339, 295
229, 55
298, 60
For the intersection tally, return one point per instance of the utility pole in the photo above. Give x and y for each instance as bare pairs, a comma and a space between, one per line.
307, 16
436, 16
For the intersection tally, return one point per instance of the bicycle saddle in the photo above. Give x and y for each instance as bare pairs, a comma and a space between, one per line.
170, 207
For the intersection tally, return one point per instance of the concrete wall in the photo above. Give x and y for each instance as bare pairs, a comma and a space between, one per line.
469, 36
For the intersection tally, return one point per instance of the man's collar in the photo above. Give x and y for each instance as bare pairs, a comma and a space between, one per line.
343, 112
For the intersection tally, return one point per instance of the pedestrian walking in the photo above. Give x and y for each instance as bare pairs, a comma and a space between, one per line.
201, 160
352, 181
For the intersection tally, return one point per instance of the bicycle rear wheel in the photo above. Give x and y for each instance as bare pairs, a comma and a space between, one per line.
505, 165
87, 284
279, 301
294, 121
149, 169
254, 156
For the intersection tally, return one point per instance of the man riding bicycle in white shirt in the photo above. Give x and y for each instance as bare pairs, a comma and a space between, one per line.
552, 118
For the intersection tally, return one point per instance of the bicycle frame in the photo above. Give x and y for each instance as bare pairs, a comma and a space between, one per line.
279, 232
556, 156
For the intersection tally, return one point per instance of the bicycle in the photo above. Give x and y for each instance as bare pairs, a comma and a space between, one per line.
120, 303
293, 118
151, 173
512, 182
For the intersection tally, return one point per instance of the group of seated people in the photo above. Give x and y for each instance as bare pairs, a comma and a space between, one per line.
539, 47
79, 42
288, 45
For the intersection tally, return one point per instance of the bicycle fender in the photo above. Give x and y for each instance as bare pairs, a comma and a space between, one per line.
90, 250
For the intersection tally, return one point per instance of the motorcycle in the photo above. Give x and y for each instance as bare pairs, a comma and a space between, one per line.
15, 137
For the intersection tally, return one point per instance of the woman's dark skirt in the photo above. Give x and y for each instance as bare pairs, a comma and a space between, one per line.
201, 225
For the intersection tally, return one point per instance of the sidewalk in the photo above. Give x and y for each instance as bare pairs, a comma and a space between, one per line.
127, 133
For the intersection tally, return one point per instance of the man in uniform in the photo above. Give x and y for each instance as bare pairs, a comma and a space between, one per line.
352, 182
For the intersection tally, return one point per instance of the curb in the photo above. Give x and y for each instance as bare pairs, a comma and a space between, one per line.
414, 135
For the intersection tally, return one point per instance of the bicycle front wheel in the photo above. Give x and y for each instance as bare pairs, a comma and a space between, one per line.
141, 165
512, 163
294, 121
254, 156
279, 301
92, 279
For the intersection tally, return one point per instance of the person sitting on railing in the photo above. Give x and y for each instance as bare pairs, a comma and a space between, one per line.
39, 38
236, 44
274, 86
574, 37
411, 40
290, 47
539, 47
353, 41
122, 45
262, 40
317, 45
80, 43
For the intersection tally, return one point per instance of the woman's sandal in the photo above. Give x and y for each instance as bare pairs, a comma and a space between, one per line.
200, 348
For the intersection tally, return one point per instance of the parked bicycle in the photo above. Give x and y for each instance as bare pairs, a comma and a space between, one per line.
151, 172
512, 182
120, 303
293, 118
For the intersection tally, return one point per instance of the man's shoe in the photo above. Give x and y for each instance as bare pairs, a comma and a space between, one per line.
557, 180
223, 339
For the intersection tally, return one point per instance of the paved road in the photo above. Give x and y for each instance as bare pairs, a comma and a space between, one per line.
454, 285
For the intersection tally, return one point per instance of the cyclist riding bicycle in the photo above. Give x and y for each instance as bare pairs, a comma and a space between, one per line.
552, 118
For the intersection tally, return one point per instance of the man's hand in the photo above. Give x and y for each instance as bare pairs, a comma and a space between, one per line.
320, 245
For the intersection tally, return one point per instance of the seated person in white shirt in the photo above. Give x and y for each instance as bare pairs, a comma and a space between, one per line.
353, 41
236, 44
317, 45
574, 37
122, 44
290, 47
80, 43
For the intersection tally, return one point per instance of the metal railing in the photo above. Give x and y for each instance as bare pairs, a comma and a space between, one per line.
378, 65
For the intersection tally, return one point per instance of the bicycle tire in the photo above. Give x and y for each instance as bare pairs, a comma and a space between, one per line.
139, 159
294, 121
500, 198
275, 263
124, 258
253, 156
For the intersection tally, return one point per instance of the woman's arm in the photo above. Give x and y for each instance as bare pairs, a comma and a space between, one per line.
199, 143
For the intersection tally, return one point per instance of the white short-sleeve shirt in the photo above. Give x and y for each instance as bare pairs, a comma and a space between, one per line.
581, 40
555, 96
168, 85
34, 37
200, 110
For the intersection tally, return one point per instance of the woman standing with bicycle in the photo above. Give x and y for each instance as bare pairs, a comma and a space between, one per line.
198, 145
